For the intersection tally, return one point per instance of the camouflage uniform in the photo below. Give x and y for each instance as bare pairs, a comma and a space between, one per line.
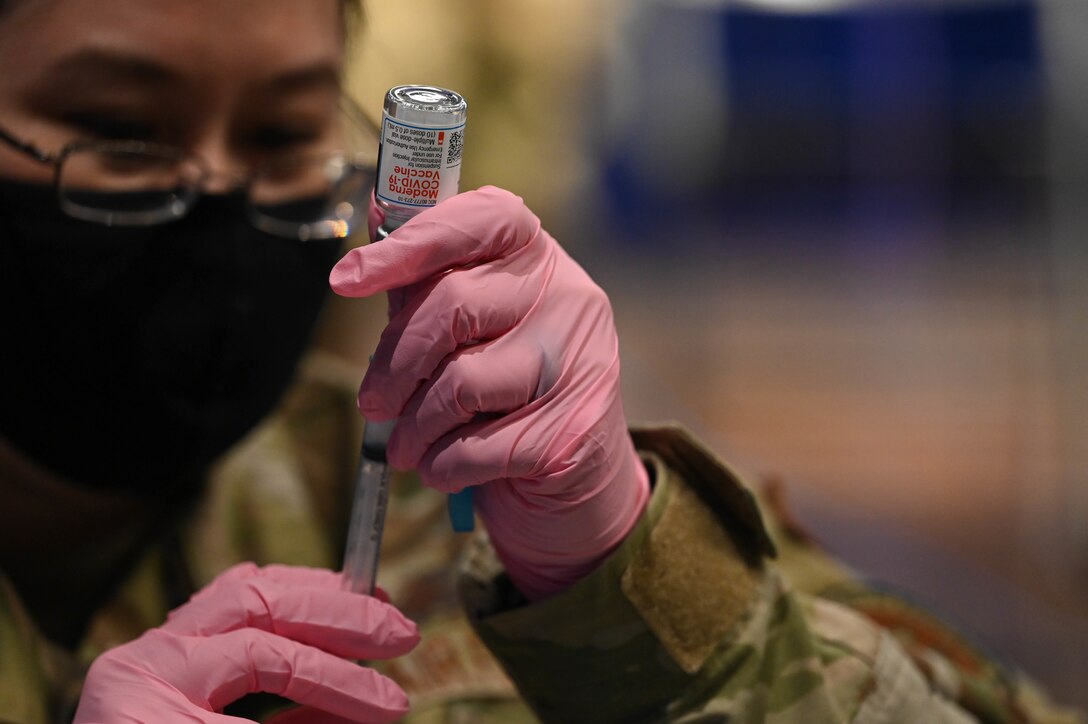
691, 620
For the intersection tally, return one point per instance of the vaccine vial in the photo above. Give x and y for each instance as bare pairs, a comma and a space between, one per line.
419, 156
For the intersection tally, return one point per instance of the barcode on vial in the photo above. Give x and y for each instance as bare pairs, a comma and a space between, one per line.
453, 150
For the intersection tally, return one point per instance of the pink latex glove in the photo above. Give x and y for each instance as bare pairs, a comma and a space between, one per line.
276, 629
501, 362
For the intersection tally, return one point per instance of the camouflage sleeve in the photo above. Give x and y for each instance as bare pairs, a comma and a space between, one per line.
690, 620
26, 692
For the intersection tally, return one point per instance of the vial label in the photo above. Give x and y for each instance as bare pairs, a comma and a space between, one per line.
419, 165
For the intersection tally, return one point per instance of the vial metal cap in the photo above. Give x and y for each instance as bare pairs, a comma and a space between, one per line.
425, 105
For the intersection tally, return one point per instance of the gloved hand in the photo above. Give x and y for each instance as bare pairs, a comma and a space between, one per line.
501, 362
277, 629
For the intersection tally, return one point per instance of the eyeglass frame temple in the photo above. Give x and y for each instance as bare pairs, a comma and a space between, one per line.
29, 148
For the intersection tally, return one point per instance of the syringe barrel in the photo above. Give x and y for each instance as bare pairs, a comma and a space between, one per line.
368, 511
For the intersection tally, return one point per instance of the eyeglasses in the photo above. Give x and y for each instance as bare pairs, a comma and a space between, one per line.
321, 195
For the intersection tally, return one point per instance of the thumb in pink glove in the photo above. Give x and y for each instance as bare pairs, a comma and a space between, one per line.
279, 629
501, 362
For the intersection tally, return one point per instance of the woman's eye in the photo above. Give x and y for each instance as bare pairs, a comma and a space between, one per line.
113, 128
275, 138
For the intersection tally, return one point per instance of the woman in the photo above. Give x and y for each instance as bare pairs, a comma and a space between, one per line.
175, 427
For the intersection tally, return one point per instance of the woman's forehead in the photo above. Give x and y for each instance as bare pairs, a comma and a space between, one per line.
198, 38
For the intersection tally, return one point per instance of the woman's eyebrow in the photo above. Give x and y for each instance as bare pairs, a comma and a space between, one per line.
319, 76
100, 64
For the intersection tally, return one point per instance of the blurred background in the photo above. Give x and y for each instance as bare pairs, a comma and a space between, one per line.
846, 245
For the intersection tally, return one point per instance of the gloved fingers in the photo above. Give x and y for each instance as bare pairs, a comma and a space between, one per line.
225, 667
305, 605
292, 575
559, 432
463, 306
486, 379
499, 299
465, 230
140, 704
482, 451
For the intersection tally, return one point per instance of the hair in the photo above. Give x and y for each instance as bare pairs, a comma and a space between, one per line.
354, 12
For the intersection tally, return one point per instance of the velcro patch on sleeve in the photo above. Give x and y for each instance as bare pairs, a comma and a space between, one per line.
689, 580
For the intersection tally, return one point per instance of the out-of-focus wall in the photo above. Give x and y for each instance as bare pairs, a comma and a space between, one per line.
522, 66
852, 236
1063, 24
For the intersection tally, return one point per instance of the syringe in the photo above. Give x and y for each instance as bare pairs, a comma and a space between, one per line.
368, 510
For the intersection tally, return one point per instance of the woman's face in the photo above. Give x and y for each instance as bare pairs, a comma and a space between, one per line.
229, 80
168, 342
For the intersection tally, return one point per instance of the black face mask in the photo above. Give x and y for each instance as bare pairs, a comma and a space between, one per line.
134, 357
